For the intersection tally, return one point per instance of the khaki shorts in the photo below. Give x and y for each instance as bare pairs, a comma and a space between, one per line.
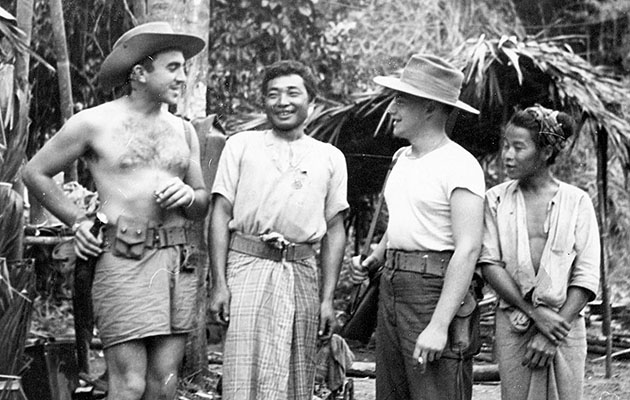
135, 299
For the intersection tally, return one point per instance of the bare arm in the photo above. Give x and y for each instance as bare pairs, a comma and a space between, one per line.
540, 349
190, 194
333, 247
219, 238
554, 326
70, 143
467, 223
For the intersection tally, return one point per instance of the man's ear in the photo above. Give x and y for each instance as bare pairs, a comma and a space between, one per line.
137, 73
547, 151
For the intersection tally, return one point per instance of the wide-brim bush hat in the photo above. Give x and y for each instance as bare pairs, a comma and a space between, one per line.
142, 41
431, 78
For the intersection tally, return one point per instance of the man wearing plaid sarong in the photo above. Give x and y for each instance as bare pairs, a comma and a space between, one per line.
277, 193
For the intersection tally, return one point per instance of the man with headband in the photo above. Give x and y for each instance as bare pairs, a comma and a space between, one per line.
541, 255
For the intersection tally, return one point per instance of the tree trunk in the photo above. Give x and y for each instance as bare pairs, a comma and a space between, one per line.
139, 8
194, 17
63, 73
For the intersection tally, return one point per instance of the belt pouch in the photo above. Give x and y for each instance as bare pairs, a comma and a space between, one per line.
464, 329
131, 235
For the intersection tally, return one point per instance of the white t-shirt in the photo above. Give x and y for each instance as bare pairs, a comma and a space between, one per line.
418, 194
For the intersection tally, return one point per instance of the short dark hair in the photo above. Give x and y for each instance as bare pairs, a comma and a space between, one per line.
528, 120
147, 62
290, 67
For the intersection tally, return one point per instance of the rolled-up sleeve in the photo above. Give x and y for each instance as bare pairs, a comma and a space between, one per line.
491, 245
585, 269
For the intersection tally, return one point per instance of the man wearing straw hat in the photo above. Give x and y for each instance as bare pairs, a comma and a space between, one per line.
145, 165
434, 196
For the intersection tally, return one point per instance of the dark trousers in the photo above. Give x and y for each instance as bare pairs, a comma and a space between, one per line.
406, 303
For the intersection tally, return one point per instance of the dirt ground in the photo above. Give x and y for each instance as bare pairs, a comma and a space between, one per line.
596, 387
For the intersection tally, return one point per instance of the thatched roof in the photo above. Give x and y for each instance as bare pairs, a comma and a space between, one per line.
502, 74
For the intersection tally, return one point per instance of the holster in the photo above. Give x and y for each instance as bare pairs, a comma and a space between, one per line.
463, 333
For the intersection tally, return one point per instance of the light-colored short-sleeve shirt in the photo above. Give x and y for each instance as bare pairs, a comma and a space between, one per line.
571, 254
418, 194
295, 199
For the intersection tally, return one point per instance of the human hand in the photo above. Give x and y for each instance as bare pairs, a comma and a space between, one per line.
174, 193
540, 352
219, 303
360, 268
327, 321
429, 346
551, 324
85, 243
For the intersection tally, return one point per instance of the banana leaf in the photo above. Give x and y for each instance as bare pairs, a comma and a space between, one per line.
17, 290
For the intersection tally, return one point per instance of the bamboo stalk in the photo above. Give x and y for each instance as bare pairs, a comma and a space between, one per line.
63, 73
602, 196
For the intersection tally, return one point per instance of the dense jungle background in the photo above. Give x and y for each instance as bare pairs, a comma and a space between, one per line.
570, 54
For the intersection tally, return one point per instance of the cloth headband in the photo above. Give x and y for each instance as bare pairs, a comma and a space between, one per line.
550, 128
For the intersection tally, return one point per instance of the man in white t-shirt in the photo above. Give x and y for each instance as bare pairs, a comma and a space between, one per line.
434, 196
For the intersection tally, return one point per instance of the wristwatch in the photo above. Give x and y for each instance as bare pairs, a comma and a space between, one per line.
78, 222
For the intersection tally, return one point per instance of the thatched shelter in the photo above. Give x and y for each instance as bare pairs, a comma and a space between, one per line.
503, 74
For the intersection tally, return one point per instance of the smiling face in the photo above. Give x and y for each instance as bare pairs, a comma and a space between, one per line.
165, 80
286, 102
408, 114
521, 157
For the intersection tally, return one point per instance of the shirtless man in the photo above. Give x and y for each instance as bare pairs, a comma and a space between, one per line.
145, 165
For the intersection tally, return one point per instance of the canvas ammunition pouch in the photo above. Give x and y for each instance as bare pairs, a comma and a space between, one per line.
463, 333
131, 236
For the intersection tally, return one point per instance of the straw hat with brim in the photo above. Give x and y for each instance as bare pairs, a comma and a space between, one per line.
431, 78
142, 41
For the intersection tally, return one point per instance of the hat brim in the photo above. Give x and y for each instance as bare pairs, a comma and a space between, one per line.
116, 66
393, 83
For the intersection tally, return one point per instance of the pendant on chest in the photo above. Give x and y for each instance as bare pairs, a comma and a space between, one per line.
298, 179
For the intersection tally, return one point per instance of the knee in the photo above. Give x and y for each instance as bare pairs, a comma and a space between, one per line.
128, 387
162, 385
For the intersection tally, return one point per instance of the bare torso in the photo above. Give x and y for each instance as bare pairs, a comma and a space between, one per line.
536, 206
130, 155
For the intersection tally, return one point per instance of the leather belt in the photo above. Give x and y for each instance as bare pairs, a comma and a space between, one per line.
156, 237
423, 262
253, 246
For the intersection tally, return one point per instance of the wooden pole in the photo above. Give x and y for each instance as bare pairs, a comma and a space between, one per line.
211, 143
602, 196
63, 73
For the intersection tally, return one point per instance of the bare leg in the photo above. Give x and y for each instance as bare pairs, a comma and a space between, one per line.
127, 368
165, 354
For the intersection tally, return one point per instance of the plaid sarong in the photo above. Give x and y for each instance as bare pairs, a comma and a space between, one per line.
270, 343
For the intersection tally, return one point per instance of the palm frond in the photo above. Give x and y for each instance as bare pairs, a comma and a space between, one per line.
16, 39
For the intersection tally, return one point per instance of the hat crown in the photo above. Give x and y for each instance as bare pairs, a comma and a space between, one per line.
142, 41
157, 27
433, 76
